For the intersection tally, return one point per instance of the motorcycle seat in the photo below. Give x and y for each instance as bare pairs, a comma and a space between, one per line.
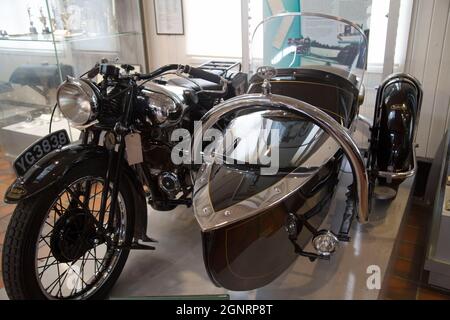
185, 83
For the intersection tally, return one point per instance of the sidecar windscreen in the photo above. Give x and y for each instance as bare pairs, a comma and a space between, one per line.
309, 40
265, 165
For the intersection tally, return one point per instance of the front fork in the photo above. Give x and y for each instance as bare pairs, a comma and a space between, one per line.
114, 169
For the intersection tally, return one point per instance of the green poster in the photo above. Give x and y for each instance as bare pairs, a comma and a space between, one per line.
278, 50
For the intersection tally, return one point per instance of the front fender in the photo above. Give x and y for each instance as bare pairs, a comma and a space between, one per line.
51, 169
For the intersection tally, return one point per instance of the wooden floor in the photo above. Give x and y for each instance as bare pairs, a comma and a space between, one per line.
405, 278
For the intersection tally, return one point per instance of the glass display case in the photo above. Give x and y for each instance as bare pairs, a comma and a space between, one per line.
42, 42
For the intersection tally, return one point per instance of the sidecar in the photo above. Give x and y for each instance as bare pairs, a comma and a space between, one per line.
266, 181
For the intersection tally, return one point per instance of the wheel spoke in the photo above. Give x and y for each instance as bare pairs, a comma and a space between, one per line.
83, 263
79, 276
61, 208
46, 236
55, 282
94, 197
46, 262
59, 293
95, 259
46, 266
76, 200
50, 225
48, 244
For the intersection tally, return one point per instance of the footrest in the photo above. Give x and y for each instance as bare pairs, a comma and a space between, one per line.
139, 246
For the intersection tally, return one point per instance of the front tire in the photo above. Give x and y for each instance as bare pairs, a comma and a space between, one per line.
64, 235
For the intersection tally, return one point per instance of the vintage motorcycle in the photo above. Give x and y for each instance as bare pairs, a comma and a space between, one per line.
82, 206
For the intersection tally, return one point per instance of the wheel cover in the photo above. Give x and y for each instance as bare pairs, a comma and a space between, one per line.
73, 235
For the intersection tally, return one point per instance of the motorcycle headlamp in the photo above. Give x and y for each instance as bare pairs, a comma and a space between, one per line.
77, 101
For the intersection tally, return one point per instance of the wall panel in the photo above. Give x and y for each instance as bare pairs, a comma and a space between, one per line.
428, 60
441, 96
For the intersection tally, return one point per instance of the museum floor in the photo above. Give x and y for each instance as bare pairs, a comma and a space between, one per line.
405, 278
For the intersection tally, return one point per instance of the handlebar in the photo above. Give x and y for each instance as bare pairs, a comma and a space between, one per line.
202, 74
159, 71
195, 72
112, 70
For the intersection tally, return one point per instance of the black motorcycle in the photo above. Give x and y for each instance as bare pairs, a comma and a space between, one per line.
82, 207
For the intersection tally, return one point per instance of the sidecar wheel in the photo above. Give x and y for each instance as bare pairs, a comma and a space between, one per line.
54, 242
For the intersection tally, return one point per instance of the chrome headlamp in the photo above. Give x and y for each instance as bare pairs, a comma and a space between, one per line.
77, 101
163, 107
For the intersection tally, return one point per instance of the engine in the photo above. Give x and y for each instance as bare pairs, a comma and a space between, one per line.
161, 110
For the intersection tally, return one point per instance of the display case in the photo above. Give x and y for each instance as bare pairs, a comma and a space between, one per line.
438, 194
42, 42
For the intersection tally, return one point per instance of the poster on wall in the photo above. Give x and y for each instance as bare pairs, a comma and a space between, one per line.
169, 16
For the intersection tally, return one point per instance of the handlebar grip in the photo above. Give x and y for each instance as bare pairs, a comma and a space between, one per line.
93, 72
202, 74
159, 71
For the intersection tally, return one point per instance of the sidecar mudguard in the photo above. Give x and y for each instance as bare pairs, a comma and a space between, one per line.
396, 118
52, 168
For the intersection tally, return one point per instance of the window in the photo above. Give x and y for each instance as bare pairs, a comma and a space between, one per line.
213, 28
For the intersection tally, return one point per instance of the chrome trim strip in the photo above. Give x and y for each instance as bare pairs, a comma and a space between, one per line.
401, 175
259, 102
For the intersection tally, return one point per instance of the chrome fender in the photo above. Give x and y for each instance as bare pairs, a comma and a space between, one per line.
261, 102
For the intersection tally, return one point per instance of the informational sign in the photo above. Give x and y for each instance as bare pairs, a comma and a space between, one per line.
169, 16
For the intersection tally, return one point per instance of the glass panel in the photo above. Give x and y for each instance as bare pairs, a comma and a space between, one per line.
277, 141
87, 31
29, 76
299, 40
42, 42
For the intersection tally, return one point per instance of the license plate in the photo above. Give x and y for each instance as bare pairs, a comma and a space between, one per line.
39, 149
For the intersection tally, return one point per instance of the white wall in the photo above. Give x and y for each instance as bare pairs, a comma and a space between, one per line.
162, 49
165, 49
428, 59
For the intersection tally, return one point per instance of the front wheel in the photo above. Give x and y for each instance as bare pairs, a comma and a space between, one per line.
56, 247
